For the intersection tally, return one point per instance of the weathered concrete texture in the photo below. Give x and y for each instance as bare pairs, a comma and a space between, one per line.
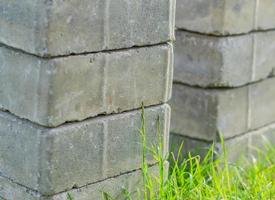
180, 146
53, 91
113, 186
237, 148
210, 61
203, 113
54, 160
225, 17
50, 28
262, 139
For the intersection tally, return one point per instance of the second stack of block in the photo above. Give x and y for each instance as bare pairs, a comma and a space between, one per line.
224, 66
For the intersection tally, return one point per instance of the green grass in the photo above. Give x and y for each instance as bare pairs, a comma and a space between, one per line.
205, 178
196, 178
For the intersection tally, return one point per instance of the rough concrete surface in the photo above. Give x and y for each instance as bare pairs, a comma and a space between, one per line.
210, 61
113, 186
225, 17
51, 28
53, 91
73, 155
236, 148
204, 113
250, 144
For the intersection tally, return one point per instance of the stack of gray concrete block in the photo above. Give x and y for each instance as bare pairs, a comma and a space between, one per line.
224, 68
73, 77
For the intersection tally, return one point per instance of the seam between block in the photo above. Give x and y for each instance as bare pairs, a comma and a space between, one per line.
105, 149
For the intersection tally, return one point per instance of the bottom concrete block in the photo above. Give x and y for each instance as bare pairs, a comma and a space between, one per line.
131, 181
237, 148
203, 113
53, 160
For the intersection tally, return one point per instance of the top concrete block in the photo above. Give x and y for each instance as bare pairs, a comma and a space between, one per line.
225, 17
51, 28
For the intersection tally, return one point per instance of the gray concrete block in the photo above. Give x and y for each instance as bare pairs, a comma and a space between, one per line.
262, 139
53, 91
210, 61
51, 28
225, 17
52, 160
113, 186
262, 104
181, 146
203, 113
235, 149
265, 14
250, 144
